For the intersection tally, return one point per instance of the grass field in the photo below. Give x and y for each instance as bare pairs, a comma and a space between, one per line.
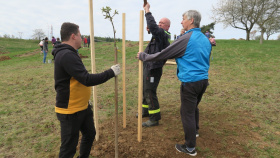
239, 111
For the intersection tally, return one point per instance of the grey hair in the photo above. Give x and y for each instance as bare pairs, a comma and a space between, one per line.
195, 15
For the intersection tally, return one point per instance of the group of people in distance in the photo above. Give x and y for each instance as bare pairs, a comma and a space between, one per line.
44, 46
86, 41
191, 51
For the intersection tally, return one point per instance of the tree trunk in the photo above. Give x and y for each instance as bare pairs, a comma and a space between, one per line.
267, 37
261, 39
247, 35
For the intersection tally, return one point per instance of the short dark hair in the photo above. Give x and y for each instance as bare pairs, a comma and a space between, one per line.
67, 29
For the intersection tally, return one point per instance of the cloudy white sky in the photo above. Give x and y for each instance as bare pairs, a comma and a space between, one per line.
27, 15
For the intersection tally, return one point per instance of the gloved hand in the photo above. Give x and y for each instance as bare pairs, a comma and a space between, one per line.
116, 68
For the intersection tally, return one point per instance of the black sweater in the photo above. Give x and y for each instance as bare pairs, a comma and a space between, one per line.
72, 80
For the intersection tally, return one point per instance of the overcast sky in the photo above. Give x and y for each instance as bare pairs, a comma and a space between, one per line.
27, 15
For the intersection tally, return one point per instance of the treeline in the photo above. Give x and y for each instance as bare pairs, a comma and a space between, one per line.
103, 39
106, 39
96, 38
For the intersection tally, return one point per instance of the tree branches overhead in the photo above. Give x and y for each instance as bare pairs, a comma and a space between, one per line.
244, 14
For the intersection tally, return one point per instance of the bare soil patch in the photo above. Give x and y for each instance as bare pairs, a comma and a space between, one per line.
37, 51
3, 52
159, 141
2, 58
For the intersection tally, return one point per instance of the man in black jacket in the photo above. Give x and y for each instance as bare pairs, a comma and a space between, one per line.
152, 71
73, 91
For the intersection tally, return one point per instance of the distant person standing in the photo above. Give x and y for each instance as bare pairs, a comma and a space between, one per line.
207, 34
53, 41
212, 40
45, 49
88, 41
41, 45
57, 42
181, 33
85, 42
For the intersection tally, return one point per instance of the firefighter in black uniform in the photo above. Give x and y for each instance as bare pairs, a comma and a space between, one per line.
152, 71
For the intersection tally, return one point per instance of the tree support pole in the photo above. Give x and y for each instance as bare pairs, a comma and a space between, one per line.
123, 70
93, 69
116, 103
140, 84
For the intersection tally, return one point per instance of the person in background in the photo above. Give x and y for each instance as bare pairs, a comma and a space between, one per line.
182, 32
56, 43
88, 41
41, 45
192, 53
207, 34
212, 40
73, 90
45, 49
53, 41
85, 42
152, 71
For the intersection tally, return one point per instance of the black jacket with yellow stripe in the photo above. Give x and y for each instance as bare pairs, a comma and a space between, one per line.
72, 80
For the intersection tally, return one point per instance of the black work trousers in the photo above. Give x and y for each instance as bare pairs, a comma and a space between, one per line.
191, 94
151, 80
70, 125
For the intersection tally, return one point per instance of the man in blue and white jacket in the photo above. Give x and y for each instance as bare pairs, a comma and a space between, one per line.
192, 53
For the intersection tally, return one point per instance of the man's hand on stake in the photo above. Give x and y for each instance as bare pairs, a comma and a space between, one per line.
116, 68
138, 54
147, 7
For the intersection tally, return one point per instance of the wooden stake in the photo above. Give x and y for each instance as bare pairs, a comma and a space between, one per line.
123, 70
116, 104
92, 48
140, 84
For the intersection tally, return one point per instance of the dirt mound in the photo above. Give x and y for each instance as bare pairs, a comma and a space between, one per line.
2, 58
81, 56
106, 44
130, 45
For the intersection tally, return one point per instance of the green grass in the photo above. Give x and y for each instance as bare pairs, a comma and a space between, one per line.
243, 96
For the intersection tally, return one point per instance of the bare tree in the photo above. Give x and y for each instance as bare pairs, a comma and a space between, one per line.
240, 14
253, 34
38, 34
272, 26
20, 34
268, 10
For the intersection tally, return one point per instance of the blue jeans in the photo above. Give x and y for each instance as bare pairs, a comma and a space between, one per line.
45, 55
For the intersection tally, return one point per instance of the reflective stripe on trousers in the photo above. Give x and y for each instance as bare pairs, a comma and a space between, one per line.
151, 111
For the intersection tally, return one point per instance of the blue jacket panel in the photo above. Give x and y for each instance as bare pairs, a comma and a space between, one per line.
194, 64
